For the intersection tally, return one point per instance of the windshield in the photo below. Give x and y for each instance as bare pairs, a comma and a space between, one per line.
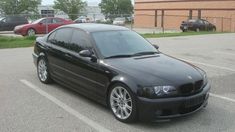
116, 43
37, 21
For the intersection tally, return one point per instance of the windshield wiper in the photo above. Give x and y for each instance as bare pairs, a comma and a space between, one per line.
145, 53
118, 56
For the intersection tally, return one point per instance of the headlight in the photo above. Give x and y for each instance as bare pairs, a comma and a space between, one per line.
164, 90
205, 80
157, 91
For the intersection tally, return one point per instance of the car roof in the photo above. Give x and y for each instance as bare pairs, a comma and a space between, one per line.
92, 27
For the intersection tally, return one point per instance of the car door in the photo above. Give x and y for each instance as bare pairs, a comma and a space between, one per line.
57, 42
201, 25
43, 26
56, 22
87, 75
207, 25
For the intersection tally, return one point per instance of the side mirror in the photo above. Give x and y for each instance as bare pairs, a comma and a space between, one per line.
88, 53
156, 46
40, 23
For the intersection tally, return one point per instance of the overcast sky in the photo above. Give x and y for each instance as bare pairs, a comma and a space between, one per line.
90, 2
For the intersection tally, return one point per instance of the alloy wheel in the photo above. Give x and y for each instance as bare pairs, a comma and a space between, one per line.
121, 102
31, 32
42, 70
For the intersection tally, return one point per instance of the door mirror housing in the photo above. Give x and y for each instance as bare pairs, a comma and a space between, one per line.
156, 46
88, 53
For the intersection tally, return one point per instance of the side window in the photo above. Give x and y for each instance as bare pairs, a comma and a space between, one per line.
57, 20
51, 38
63, 37
48, 21
200, 22
79, 41
206, 22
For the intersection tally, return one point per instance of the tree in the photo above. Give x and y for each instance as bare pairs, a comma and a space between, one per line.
71, 7
113, 8
11, 7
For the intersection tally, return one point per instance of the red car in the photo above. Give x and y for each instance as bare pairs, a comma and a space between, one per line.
39, 26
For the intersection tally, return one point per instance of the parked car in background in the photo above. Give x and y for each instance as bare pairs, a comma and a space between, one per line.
119, 21
118, 68
197, 25
41, 26
82, 19
8, 23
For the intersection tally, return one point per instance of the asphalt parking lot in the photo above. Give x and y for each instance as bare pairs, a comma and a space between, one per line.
28, 105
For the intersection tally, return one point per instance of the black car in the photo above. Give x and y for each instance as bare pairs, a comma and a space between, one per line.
197, 25
8, 23
118, 68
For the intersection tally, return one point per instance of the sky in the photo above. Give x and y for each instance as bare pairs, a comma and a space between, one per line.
90, 2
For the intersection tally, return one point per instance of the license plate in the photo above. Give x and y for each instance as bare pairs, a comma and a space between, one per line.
194, 101
185, 27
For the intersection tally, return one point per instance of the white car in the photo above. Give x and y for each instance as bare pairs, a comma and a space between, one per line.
119, 21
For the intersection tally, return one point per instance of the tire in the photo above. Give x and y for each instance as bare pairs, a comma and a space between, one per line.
43, 71
31, 32
197, 29
122, 103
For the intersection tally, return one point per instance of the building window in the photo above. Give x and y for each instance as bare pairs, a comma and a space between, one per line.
199, 14
190, 14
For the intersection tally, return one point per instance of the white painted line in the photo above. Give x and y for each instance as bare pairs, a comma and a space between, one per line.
70, 110
210, 65
225, 53
222, 97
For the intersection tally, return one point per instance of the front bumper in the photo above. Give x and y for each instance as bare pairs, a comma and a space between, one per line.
166, 108
35, 58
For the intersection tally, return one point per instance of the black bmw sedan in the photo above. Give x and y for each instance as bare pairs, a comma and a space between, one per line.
118, 68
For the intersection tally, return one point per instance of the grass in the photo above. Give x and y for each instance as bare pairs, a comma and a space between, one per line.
16, 42
159, 35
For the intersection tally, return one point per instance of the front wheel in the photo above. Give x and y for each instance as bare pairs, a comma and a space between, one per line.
122, 103
43, 71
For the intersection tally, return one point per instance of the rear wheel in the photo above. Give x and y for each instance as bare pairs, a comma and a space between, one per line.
122, 103
43, 71
31, 32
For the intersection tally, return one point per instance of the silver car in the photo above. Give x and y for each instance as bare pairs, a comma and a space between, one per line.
119, 21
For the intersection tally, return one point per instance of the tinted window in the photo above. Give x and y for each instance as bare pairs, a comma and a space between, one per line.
79, 41
51, 38
200, 21
206, 22
62, 37
112, 43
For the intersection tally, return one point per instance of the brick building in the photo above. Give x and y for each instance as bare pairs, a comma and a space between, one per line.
170, 13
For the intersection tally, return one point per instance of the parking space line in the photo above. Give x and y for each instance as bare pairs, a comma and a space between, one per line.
225, 53
210, 65
70, 110
222, 97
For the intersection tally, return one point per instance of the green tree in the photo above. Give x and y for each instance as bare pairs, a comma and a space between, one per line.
71, 7
113, 8
10, 7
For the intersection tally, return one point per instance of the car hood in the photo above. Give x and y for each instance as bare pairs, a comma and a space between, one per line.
156, 70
